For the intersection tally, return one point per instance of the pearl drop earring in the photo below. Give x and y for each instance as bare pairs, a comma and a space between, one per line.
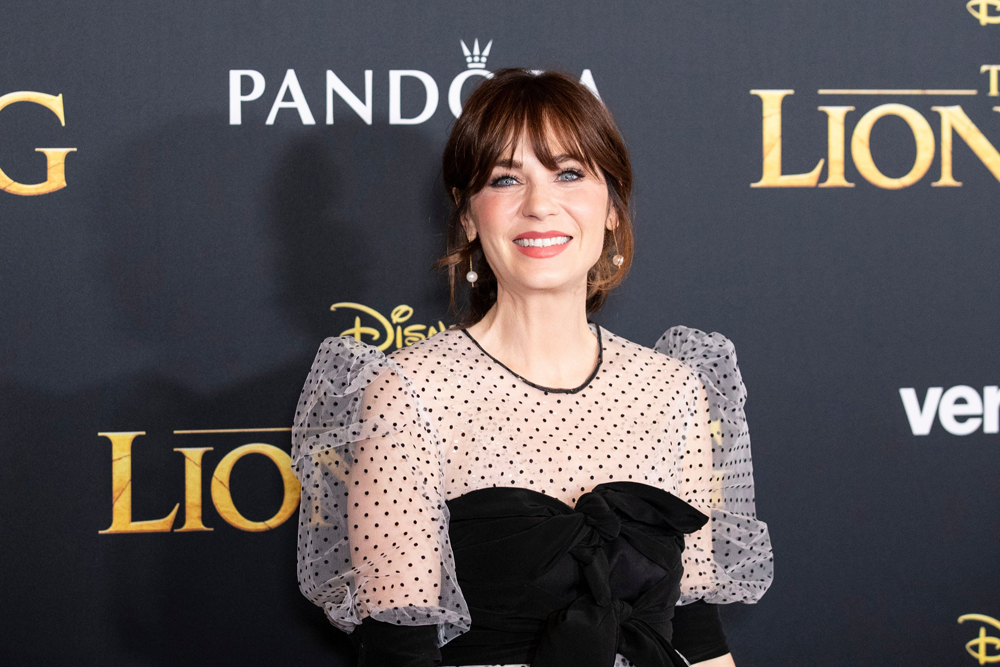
618, 259
471, 276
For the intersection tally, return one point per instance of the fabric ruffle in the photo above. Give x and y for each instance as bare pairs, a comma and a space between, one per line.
358, 423
741, 561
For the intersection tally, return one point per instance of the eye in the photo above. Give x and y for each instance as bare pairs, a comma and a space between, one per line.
500, 181
577, 175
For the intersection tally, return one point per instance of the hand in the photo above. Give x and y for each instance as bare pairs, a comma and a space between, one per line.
722, 661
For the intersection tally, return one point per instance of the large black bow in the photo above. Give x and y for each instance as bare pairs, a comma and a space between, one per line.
563, 586
596, 626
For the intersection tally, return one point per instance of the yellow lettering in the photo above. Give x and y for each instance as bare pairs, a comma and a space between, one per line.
835, 147
861, 149
992, 69
954, 117
192, 489
414, 333
401, 313
358, 330
223, 499
772, 176
979, 646
392, 326
55, 157
121, 490
981, 10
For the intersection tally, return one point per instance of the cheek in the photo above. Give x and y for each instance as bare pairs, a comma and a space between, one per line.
590, 214
493, 213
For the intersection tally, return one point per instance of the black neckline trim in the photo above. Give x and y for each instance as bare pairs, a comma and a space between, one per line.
553, 390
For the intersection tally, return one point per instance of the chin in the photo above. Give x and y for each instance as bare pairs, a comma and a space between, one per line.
551, 282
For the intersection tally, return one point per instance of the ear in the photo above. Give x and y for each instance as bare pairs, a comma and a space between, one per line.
470, 229
612, 222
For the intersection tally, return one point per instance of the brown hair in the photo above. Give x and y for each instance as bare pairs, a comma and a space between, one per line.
514, 100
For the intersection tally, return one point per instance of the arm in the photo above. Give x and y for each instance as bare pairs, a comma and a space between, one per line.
396, 526
730, 559
378, 644
735, 551
694, 475
374, 551
698, 631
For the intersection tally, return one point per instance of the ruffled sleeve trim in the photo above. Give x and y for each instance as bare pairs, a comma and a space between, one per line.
740, 565
360, 438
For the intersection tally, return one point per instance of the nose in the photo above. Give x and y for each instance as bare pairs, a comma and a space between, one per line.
538, 202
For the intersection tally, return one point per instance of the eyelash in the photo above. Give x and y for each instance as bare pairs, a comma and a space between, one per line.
495, 182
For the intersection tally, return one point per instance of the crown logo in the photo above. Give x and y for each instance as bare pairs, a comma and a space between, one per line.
474, 59
981, 10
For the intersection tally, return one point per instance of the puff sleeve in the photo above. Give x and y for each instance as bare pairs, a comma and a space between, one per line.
373, 523
730, 559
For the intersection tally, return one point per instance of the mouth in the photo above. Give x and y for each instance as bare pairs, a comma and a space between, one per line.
542, 245
542, 242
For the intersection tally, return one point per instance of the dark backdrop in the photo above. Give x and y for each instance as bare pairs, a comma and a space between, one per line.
183, 278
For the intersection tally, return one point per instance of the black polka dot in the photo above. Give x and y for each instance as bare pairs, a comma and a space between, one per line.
380, 442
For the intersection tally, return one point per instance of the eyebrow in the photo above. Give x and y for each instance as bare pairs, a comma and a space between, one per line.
514, 164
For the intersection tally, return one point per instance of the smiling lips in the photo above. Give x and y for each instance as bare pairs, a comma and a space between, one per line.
542, 244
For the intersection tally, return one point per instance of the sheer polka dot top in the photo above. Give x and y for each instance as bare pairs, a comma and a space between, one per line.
381, 442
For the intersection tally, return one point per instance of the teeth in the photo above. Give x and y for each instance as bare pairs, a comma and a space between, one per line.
542, 243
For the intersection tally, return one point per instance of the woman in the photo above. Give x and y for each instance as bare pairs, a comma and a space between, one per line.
529, 487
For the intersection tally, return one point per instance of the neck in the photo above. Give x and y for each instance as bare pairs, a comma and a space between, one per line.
543, 337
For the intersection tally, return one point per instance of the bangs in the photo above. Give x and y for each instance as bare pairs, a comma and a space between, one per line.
553, 114
553, 127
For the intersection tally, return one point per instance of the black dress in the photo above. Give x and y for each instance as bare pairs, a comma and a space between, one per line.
555, 586
455, 513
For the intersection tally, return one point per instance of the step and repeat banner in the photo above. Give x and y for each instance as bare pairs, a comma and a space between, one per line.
194, 195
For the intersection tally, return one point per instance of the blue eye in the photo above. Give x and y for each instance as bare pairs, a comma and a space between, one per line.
499, 181
496, 182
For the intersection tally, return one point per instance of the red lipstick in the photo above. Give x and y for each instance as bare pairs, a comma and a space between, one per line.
541, 247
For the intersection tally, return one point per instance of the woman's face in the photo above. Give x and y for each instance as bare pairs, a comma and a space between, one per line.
541, 230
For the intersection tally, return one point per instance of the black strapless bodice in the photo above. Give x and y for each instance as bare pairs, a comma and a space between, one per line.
556, 586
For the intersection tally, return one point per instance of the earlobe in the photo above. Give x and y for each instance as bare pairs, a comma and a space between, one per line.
613, 221
470, 229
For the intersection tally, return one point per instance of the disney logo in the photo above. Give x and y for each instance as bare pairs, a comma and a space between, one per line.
979, 646
981, 10
392, 326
